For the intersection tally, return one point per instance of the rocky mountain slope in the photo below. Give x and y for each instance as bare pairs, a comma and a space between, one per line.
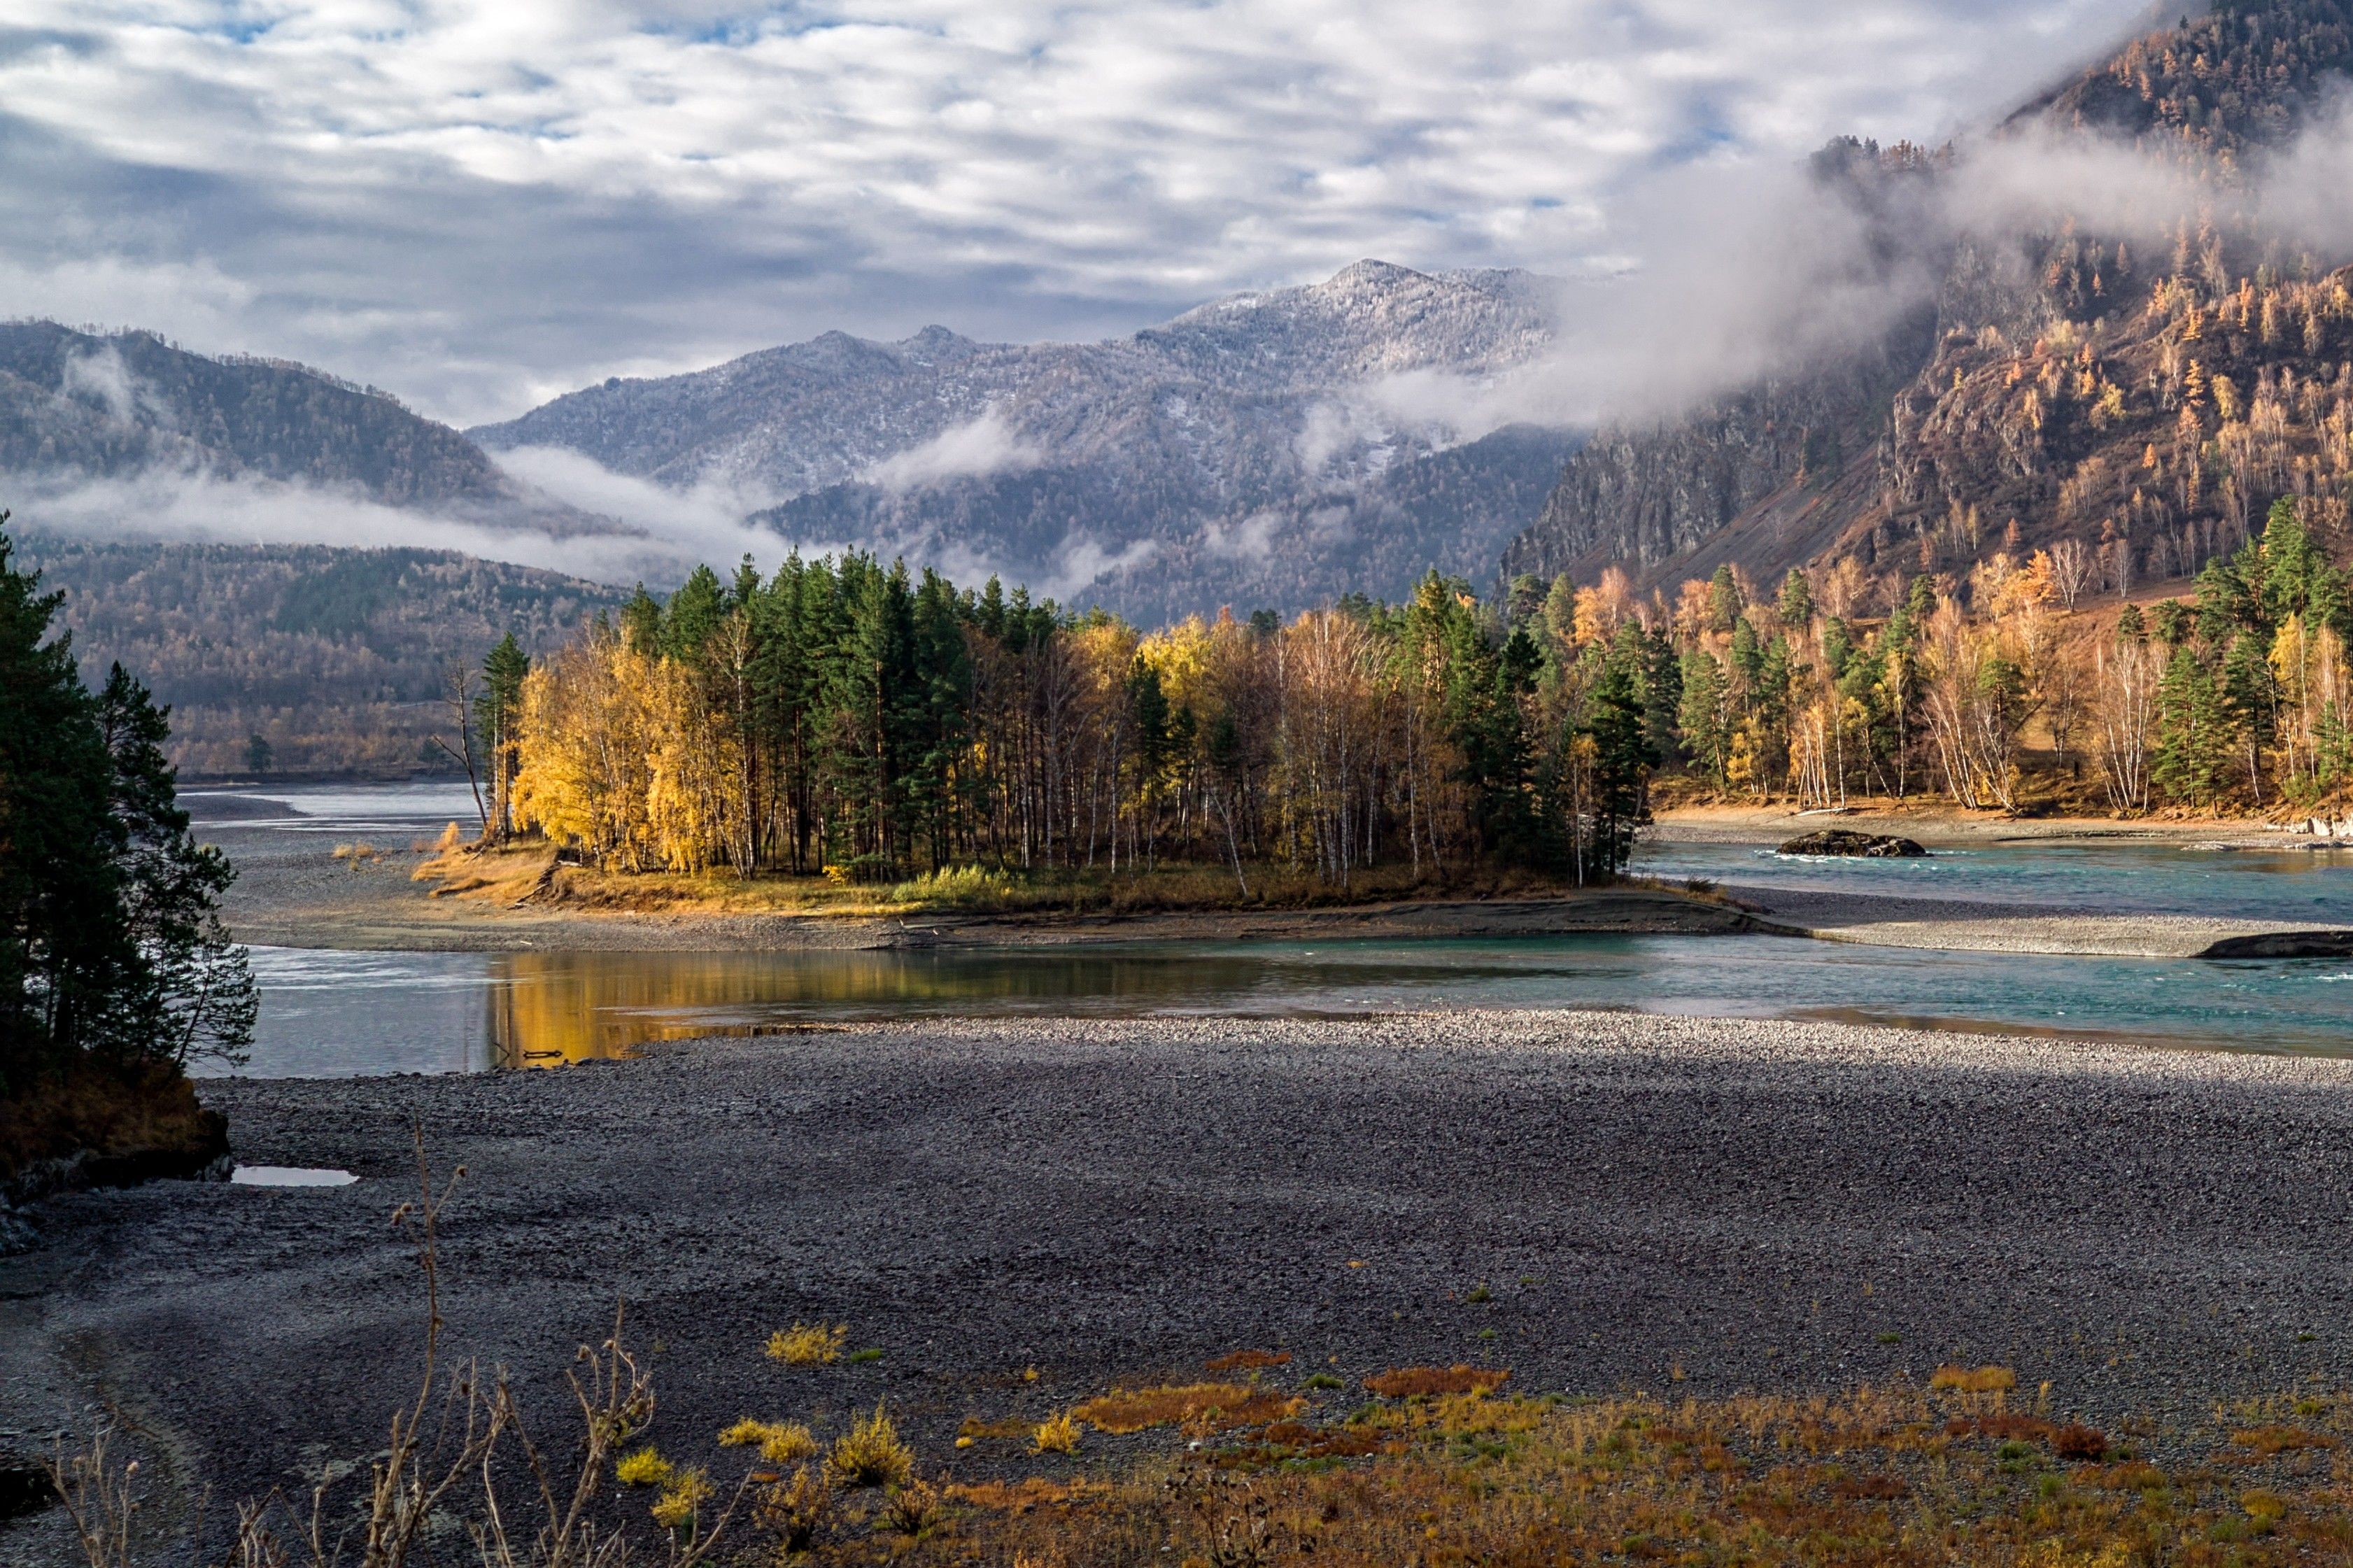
2146, 401
1272, 448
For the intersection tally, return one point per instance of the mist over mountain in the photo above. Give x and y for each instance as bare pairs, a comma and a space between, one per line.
2118, 320
78, 404
1272, 448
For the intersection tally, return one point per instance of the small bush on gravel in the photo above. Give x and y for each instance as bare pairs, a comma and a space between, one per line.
682, 1498
809, 1344
794, 1510
871, 1454
911, 1510
1057, 1434
643, 1467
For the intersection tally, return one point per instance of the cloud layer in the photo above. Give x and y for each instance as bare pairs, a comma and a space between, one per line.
480, 205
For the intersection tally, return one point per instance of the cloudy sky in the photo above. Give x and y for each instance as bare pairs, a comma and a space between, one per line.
478, 206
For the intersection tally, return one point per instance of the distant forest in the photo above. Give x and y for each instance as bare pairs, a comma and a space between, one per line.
338, 660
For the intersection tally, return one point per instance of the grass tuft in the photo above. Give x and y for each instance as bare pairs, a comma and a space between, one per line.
871, 1454
807, 1345
682, 1500
644, 1467
1056, 1435
1199, 1408
1974, 1380
1424, 1382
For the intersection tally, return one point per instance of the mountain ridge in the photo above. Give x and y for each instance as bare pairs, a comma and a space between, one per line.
2068, 385
1236, 453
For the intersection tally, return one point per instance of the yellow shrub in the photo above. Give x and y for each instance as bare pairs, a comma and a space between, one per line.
870, 1454
642, 1468
682, 1500
807, 1345
1058, 1434
789, 1444
779, 1442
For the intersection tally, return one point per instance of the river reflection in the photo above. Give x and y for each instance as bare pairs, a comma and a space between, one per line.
338, 1013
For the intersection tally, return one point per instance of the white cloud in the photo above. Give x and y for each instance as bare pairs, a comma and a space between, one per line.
659, 548
476, 205
1251, 539
970, 451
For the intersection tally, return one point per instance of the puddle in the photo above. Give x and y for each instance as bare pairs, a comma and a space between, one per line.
289, 1176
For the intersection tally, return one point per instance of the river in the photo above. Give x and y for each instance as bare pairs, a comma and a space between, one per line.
330, 1012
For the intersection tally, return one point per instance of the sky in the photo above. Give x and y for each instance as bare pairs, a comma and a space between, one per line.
478, 207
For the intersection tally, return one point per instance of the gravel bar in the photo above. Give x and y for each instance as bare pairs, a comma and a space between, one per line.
1662, 1203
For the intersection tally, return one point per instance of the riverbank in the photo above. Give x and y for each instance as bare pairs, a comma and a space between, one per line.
1600, 1203
294, 891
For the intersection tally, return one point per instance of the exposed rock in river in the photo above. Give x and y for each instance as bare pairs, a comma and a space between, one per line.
1842, 841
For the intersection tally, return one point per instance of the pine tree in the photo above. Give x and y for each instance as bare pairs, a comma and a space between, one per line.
2193, 742
112, 948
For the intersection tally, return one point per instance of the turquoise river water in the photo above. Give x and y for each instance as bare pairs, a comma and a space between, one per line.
335, 1013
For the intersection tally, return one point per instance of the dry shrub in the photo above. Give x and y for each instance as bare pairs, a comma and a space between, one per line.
1974, 1380
2132, 1475
870, 1454
807, 1345
2267, 1441
1247, 1361
911, 1510
1882, 1488
1423, 1382
1016, 1497
2078, 1441
681, 1503
1870, 1479
1056, 1435
794, 1510
1218, 1406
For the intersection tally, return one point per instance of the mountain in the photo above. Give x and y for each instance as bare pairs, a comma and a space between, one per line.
82, 405
336, 657
2146, 401
1268, 449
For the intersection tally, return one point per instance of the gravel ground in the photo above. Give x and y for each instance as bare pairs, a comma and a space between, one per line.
1735, 1204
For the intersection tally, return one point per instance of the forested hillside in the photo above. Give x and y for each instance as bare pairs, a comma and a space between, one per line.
336, 658
2145, 400
90, 405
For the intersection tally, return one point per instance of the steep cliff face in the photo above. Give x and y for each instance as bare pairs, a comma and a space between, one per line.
2147, 402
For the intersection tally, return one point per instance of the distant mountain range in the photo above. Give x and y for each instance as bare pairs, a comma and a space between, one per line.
1274, 448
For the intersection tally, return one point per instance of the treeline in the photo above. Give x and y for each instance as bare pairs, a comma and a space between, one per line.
2238, 697
850, 717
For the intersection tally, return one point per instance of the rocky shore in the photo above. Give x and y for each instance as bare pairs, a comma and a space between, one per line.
1645, 1202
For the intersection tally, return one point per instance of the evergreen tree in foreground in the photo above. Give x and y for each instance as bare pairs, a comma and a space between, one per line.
112, 950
